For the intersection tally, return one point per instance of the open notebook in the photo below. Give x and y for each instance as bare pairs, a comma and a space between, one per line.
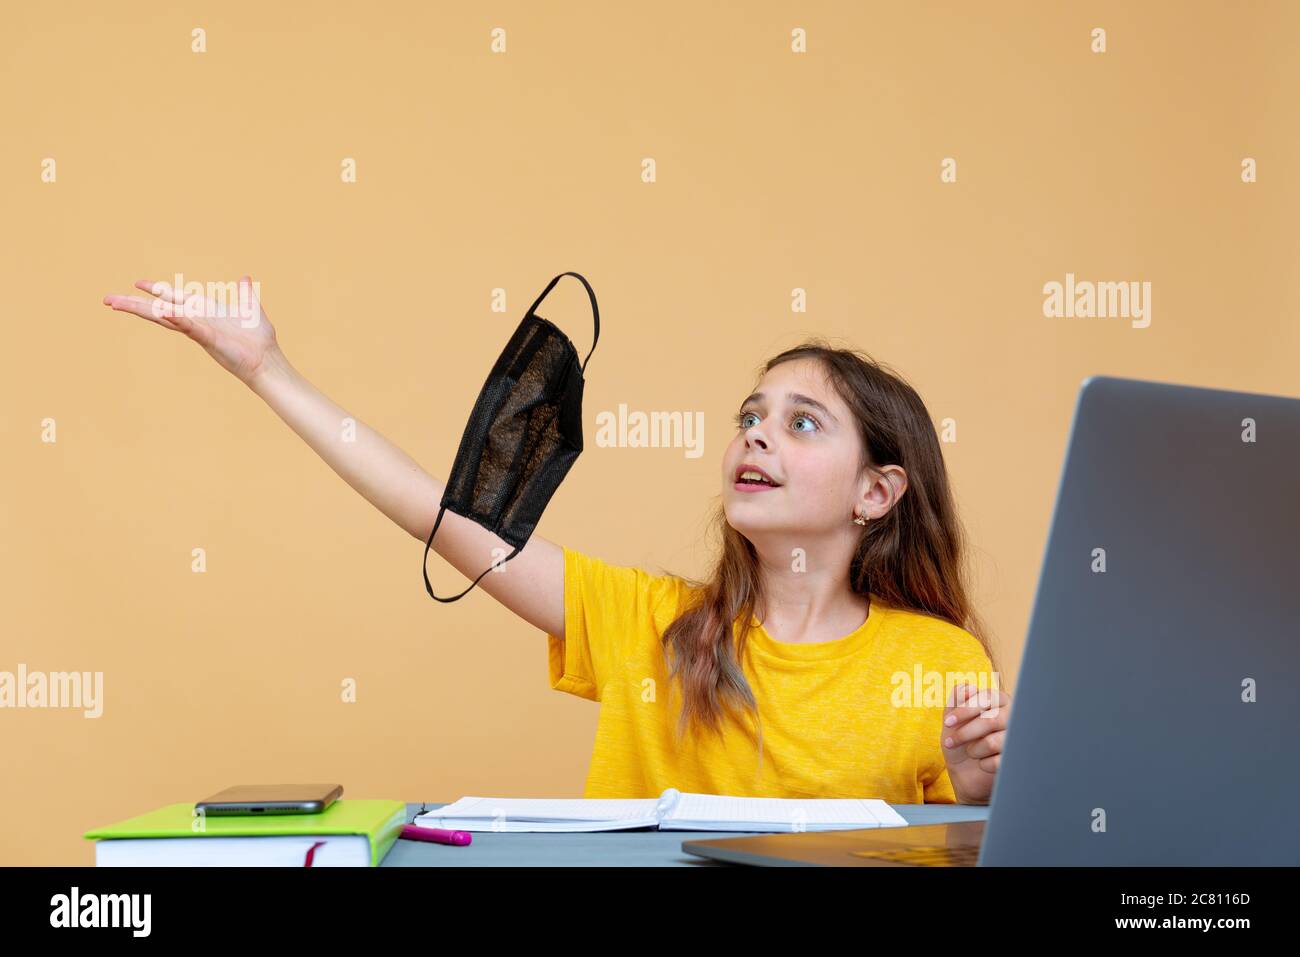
671, 811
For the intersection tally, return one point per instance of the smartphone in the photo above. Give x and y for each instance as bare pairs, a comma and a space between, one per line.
271, 799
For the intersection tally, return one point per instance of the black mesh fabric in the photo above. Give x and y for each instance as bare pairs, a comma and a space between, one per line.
523, 435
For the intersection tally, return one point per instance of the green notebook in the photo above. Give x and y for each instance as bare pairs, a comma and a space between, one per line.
378, 821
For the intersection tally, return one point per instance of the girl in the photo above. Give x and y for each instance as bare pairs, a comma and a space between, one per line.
840, 550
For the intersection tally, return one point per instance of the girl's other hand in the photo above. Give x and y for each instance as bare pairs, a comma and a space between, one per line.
974, 731
237, 334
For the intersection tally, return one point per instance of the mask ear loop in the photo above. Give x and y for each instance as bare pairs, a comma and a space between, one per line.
595, 309
428, 586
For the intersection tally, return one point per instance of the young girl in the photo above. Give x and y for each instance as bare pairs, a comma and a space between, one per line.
840, 550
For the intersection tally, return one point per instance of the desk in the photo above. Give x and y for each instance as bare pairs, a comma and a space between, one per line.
644, 848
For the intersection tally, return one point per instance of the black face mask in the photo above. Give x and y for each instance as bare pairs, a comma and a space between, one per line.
523, 435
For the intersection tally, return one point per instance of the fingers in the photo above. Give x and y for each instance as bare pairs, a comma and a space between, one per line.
975, 729
152, 309
984, 717
161, 289
965, 702
172, 301
971, 696
168, 293
194, 304
987, 746
250, 304
196, 316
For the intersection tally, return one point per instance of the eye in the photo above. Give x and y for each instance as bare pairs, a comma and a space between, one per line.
800, 414
741, 418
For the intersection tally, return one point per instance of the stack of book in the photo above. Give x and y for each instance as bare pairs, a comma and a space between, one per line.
348, 833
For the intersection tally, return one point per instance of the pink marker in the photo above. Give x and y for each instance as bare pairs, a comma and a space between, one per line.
413, 832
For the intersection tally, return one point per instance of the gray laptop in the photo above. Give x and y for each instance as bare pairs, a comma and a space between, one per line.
1156, 715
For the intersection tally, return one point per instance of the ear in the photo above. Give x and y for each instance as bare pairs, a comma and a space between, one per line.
888, 483
895, 481
898, 479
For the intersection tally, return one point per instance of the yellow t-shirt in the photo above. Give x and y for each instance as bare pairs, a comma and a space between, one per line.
859, 716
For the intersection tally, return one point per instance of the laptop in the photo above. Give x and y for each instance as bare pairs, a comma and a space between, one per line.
1155, 716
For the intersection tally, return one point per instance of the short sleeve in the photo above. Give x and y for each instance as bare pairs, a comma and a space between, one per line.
965, 661
609, 611
939, 791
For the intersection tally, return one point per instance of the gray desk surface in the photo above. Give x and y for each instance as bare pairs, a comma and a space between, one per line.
641, 848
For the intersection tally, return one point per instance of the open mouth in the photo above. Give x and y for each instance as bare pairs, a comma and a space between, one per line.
749, 478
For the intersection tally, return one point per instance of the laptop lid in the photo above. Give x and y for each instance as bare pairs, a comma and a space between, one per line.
1156, 704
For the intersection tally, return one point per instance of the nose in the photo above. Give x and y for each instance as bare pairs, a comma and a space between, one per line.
755, 437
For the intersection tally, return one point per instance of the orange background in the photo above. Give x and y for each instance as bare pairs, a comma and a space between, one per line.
476, 170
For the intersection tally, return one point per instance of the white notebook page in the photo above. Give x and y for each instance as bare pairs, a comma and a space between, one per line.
740, 810
548, 809
679, 810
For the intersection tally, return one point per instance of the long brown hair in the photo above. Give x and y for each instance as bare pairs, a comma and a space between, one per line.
912, 557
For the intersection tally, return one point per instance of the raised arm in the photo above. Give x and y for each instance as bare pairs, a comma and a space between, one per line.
244, 343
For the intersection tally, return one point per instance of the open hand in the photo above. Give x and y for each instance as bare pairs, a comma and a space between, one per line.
235, 332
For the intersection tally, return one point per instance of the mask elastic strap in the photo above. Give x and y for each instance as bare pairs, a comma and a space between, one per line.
428, 586
595, 309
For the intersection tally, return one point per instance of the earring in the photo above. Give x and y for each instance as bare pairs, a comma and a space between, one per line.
858, 519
